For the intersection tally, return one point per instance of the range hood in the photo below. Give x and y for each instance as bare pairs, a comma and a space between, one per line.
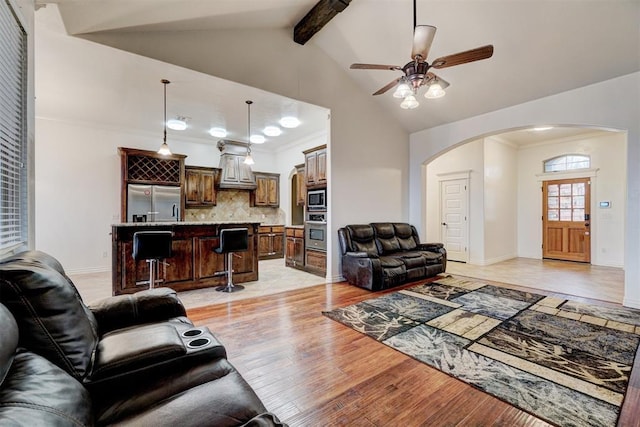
236, 175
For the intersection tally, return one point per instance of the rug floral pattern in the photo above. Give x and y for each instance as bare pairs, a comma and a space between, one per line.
563, 361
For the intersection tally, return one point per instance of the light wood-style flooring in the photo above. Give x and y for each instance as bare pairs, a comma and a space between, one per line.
313, 371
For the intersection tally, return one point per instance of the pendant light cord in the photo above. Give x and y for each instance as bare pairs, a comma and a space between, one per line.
165, 82
249, 125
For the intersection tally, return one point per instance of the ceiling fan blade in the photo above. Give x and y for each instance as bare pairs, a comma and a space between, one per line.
374, 67
476, 54
388, 86
422, 39
432, 77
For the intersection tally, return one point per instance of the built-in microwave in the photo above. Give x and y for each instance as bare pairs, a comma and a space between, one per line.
317, 200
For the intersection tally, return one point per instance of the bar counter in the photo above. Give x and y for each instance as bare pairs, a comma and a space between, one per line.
193, 265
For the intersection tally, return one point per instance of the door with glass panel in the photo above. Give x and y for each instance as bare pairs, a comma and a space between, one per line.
565, 222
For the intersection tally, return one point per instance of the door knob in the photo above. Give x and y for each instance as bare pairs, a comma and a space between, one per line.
444, 223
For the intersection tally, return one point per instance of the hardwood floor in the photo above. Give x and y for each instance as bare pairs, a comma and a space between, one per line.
312, 371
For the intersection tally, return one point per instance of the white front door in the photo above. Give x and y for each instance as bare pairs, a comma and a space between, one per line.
453, 218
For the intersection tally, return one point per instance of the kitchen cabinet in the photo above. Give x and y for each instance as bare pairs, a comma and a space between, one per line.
316, 262
200, 186
148, 168
267, 192
316, 166
193, 263
294, 253
301, 190
270, 242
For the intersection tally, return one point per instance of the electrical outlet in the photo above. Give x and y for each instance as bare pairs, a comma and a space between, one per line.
104, 254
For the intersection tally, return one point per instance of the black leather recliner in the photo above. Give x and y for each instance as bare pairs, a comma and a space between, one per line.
127, 360
383, 255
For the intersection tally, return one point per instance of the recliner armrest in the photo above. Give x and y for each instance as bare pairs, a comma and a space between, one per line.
146, 306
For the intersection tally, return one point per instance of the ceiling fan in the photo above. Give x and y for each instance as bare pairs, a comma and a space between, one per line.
416, 72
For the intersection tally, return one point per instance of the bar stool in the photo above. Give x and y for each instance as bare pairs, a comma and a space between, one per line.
231, 240
152, 246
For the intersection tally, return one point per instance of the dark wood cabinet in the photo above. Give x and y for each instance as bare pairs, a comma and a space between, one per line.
193, 265
301, 190
316, 262
316, 166
148, 167
294, 255
267, 192
200, 186
270, 242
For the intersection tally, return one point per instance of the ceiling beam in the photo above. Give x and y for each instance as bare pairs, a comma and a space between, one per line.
317, 17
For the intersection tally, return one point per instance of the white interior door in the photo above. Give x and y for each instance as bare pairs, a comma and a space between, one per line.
454, 218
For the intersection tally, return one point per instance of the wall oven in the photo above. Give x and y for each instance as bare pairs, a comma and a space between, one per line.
317, 200
315, 230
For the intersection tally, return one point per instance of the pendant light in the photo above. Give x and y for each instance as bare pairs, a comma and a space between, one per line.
248, 160
164, 148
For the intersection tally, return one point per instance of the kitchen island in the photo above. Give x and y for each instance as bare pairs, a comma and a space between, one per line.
193, 265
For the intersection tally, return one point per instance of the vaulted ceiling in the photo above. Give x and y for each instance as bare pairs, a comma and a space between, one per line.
541, 47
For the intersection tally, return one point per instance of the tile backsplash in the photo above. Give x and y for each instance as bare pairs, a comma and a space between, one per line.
234, 205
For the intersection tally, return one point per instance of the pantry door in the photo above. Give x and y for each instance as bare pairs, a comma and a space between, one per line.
453, 216
566, 234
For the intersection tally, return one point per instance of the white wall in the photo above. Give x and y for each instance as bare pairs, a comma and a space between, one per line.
613, 104
468, 157
500, 201
607, 155
492, 197
368, 151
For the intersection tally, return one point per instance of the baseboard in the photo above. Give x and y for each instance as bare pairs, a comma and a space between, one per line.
88, 270
492, 260
336, 279
627, 302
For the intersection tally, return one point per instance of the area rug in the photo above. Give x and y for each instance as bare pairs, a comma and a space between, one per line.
563, 361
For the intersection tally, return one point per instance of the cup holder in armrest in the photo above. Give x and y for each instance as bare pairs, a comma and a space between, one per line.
190, 333
198, 342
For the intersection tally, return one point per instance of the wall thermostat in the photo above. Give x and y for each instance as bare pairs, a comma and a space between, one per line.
606, 204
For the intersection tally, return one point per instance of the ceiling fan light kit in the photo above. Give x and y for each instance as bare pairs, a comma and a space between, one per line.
416, 72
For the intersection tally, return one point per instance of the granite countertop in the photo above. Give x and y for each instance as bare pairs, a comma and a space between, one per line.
295, 226
180, 223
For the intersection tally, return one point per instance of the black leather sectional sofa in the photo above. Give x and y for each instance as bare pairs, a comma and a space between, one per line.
130, 360
382, 255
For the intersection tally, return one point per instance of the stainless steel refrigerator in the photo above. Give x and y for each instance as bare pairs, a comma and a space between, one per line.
153, 203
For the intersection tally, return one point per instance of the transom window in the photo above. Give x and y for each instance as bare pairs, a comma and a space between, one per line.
567, 163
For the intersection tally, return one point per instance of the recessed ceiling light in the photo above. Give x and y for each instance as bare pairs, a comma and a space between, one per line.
272, 131
218, 132
289, 122
257, 139
177, 124
541, 128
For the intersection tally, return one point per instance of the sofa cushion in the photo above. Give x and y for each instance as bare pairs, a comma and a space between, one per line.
212, 394
38, 393
362, 239
406, 236
432, 257
412, 259
52, 320
385, 237
391, 262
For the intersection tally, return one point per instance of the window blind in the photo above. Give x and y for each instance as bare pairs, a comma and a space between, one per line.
13, 130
